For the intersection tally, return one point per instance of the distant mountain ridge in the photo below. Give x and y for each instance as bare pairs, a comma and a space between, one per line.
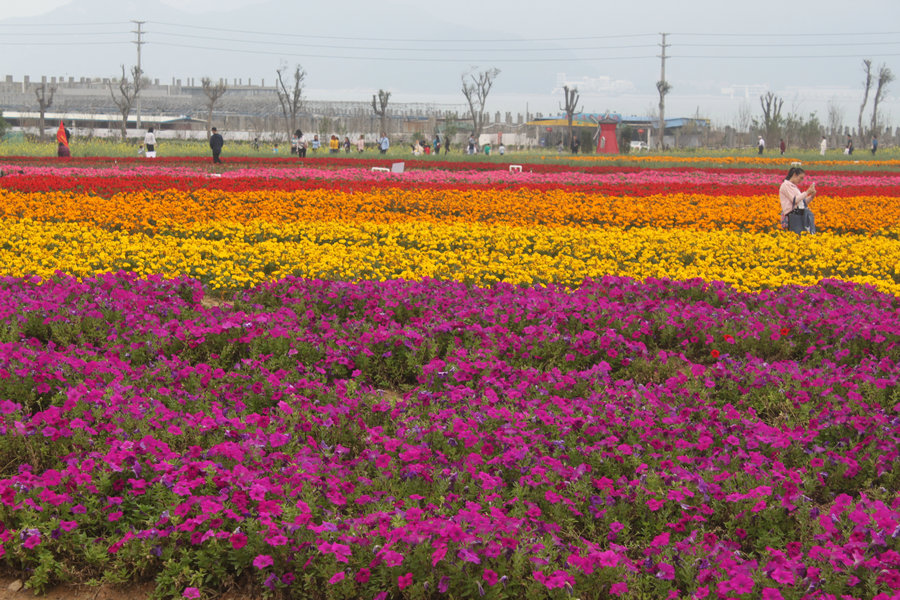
171, 33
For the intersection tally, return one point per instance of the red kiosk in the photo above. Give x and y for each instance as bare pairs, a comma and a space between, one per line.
607, 141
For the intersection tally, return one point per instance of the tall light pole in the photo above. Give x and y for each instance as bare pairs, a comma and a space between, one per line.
662, 87
139, 42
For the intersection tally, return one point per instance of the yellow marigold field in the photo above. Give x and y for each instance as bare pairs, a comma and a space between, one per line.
231, 255
150, 212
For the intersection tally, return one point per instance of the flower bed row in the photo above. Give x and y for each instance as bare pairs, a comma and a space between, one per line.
151, 212
622, 439
648, 183
694, 176
229, 256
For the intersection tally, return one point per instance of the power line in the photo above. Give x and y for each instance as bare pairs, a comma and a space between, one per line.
62, 33
808, 34
63, 24
784, 57
804, 45
411, 40
407, 49
398, 59
2, 43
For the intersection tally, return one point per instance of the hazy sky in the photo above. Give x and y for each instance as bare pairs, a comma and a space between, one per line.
723, 53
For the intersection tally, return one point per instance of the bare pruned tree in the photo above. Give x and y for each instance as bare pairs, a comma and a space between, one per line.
835, 120
290, 98
44, 102
885, 77
663, 87
867, 83
570, 107
742, 121
771, 111
835, 116
379, 107
128, 90
213, 91
476, 85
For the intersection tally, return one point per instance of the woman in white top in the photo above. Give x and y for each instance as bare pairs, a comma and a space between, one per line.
150, 143
791, 197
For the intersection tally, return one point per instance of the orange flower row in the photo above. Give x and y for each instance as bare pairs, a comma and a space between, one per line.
158, 211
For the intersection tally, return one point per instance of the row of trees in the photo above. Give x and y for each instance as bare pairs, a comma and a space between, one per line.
476, 86
773, 123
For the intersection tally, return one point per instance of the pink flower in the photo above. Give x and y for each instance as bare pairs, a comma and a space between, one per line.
490, 577
114, 516
363, 576
191, 592
665, 571
438, 555
618, 589
404, 581
337, 577
276, 540
771, 594
783, 576
238, 540
262, 561
391, 558
32, 541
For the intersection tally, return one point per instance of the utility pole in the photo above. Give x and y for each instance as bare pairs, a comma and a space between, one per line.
139, 42
662, 87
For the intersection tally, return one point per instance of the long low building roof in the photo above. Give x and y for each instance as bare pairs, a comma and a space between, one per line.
592, 119
69, 116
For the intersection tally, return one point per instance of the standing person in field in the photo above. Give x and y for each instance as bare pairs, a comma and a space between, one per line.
347, 144
361, 144
437, 144
848, 149
301, 144
782, 146
874, 144
384, 143
316, 143
215, 143
150, 144
447, 143
761, 144
62, 142
823, 146
792, 198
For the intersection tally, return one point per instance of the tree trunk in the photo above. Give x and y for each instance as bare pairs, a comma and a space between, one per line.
124, 126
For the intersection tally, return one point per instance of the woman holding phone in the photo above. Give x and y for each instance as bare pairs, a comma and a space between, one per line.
792, 198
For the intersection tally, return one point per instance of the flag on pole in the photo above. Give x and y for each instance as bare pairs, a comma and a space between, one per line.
61, 137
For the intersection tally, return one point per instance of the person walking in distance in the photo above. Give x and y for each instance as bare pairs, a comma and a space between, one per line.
62, 141
874, 144
150, 144
782, 146
761, 144
215, 143
384, 143
823, 146
301, 144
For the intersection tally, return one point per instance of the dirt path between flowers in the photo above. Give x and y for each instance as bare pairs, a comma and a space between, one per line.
8, 587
